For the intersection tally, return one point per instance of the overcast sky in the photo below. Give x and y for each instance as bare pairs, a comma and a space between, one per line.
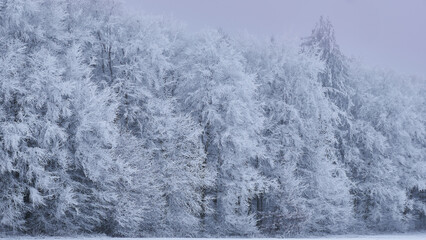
383, 33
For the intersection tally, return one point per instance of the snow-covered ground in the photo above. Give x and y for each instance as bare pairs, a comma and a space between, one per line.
405, 236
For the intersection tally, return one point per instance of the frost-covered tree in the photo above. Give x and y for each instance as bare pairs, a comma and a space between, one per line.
32, 104
219, 94
54, 140
93, 139
13, 135
300, 145
334, 79
384, 130
177, 153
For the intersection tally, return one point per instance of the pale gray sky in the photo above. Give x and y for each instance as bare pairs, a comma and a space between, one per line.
383, 33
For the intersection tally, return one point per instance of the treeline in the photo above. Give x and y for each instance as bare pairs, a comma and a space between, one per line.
134, 127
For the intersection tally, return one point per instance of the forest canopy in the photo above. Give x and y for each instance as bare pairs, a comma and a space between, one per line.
134, 126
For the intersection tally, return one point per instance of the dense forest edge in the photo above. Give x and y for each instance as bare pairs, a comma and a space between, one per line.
134, 126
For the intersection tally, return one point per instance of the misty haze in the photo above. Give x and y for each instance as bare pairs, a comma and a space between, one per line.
212, 119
